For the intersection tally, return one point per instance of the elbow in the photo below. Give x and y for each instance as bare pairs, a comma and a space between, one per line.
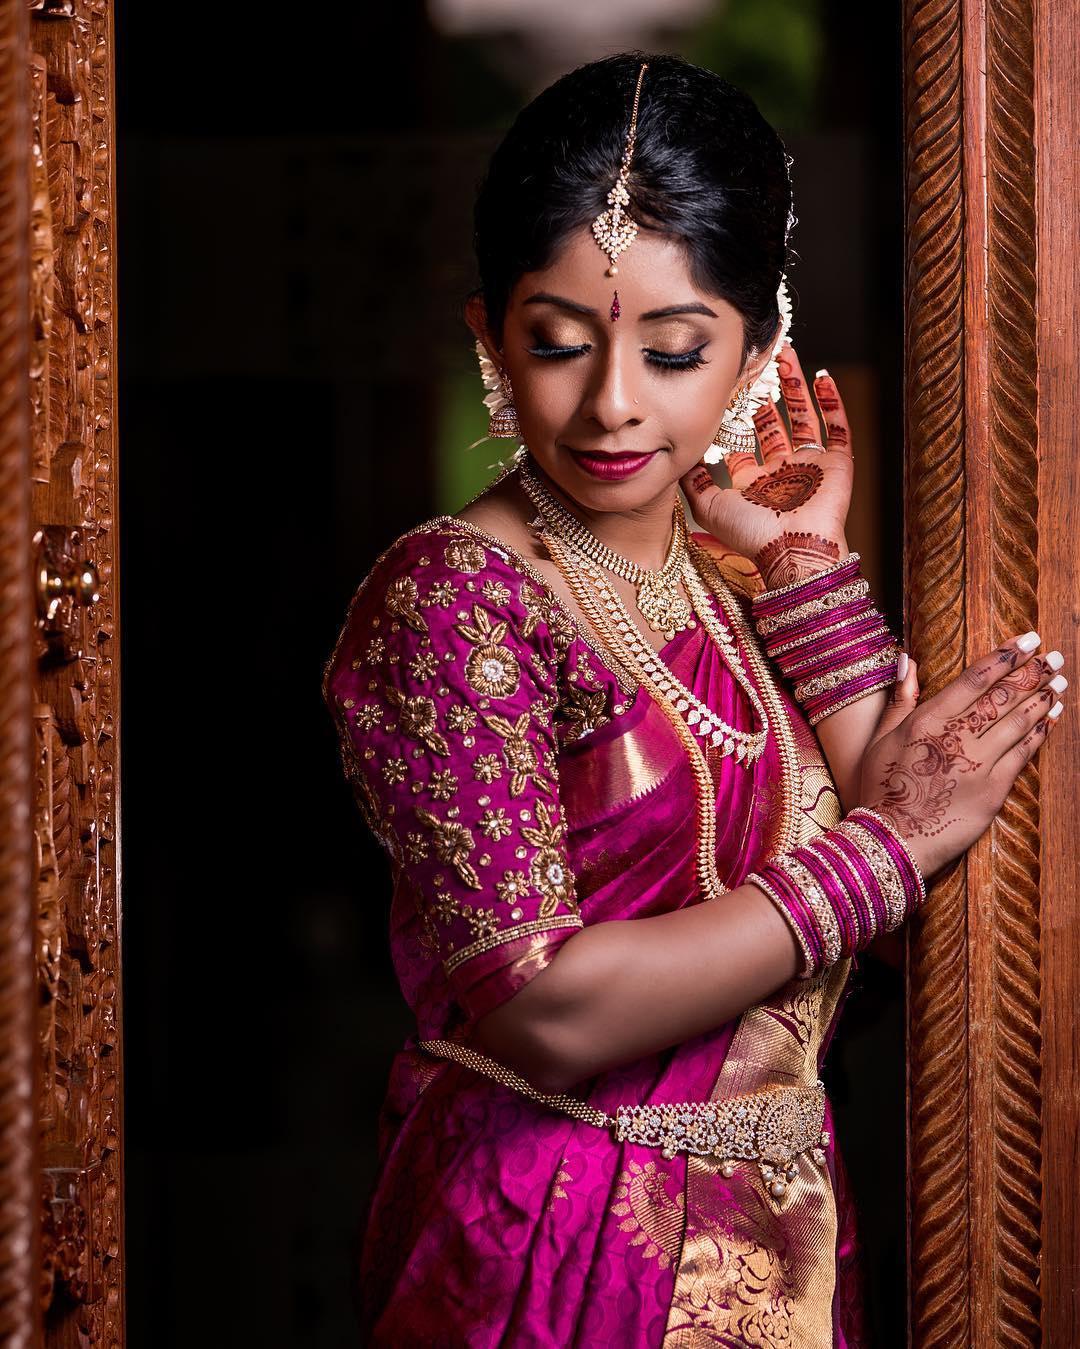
525, 1041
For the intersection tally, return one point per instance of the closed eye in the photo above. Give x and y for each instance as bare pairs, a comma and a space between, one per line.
663, 360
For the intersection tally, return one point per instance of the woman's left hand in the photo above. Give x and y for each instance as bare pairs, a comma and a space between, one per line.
788, 515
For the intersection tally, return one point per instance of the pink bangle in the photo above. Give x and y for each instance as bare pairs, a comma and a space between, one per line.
843, 887
827, 638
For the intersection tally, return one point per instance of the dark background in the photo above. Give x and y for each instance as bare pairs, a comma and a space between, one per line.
297, 386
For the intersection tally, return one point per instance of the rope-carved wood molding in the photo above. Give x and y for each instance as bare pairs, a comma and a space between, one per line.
974, 1233
19, 1199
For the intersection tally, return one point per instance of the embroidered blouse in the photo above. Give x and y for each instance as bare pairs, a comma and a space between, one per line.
454, 682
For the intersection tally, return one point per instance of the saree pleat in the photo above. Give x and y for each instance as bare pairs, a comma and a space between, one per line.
494, 1221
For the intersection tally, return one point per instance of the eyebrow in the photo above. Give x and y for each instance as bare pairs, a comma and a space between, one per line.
545, 297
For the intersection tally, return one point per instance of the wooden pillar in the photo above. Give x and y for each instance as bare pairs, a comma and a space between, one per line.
992, 500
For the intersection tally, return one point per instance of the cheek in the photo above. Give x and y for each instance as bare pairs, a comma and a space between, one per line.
548, 397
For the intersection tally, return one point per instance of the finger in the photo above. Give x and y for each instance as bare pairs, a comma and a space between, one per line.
837, 430
960, 693
1039, 672
1012, 728
707, 499
771, 432
1014, 759
804, 420
742, 467
902, 699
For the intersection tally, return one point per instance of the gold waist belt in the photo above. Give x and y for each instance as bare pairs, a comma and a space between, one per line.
771, 1127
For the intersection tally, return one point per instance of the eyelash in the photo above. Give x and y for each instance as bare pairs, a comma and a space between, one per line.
664, 360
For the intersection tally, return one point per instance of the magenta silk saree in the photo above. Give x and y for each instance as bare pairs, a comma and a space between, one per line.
523, 786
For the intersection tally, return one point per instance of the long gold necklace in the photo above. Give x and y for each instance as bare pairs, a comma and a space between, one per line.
632, 646
658, 598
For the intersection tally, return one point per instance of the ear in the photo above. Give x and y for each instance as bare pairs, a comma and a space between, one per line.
476, 318
756, 362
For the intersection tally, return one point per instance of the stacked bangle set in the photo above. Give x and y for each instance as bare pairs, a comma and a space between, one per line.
843, 887
828, 638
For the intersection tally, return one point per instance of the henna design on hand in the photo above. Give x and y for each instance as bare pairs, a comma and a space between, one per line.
988, 705
786, 488
701, 481
795, 557
771, 432
919, 793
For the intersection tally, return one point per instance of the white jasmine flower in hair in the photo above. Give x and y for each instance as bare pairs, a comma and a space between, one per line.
495, 399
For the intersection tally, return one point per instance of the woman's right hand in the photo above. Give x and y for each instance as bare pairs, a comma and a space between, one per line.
940, 770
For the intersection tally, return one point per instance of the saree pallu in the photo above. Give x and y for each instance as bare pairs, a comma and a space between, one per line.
496, 1221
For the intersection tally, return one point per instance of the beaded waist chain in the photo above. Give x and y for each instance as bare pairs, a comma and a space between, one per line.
771, 1127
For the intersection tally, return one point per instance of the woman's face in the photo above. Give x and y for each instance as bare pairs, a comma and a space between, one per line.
589, 388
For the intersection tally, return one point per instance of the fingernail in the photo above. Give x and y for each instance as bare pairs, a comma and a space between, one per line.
901, 666
1055, 711
1028, 642
1055, 660
1059, 684
819, 374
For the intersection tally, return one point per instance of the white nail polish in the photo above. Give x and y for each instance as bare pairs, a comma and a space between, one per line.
1055, 711
1028, 642
819, 373
1055, 660
1059, 684
901, 666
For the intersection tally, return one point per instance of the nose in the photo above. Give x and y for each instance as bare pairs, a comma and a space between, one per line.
611, 397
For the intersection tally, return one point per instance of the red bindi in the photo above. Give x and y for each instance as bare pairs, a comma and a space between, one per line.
615, 310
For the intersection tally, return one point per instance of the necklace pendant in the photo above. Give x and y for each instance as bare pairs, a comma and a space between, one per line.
661, 605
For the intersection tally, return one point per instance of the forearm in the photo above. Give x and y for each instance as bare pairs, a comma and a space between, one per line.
619, 990
844, 736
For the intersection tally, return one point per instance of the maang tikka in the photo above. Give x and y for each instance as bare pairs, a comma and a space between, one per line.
614, 231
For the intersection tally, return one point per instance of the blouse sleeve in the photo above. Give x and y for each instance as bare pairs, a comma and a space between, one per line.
443, 687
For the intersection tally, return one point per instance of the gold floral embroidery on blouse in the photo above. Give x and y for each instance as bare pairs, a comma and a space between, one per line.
487, 769
539, 608
496, 592
549, 872
495, 824
492, 669
461, 718
463, 555
519, 753
513, 886
418, 718
581, 711
454, 844
401, 601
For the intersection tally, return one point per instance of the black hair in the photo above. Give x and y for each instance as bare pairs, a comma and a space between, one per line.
707, 169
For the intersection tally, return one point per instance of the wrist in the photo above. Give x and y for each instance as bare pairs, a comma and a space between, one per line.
793, 557
843, 887
827, 637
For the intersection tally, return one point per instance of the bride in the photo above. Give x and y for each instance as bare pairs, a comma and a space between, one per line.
646, 789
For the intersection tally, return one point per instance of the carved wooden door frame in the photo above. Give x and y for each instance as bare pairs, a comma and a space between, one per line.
19, 1154
991, 129
61, 1107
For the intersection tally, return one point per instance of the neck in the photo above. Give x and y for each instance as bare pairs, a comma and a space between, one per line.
642, 534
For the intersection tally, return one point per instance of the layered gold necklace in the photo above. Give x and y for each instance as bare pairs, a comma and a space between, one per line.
580, 554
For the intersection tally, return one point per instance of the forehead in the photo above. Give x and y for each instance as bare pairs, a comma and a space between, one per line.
653, 273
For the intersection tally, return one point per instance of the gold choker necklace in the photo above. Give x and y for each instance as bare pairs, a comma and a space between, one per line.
658, 597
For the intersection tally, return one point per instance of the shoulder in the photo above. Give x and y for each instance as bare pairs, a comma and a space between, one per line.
738, 571
446, 580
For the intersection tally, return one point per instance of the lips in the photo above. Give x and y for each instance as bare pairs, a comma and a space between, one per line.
613, 465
